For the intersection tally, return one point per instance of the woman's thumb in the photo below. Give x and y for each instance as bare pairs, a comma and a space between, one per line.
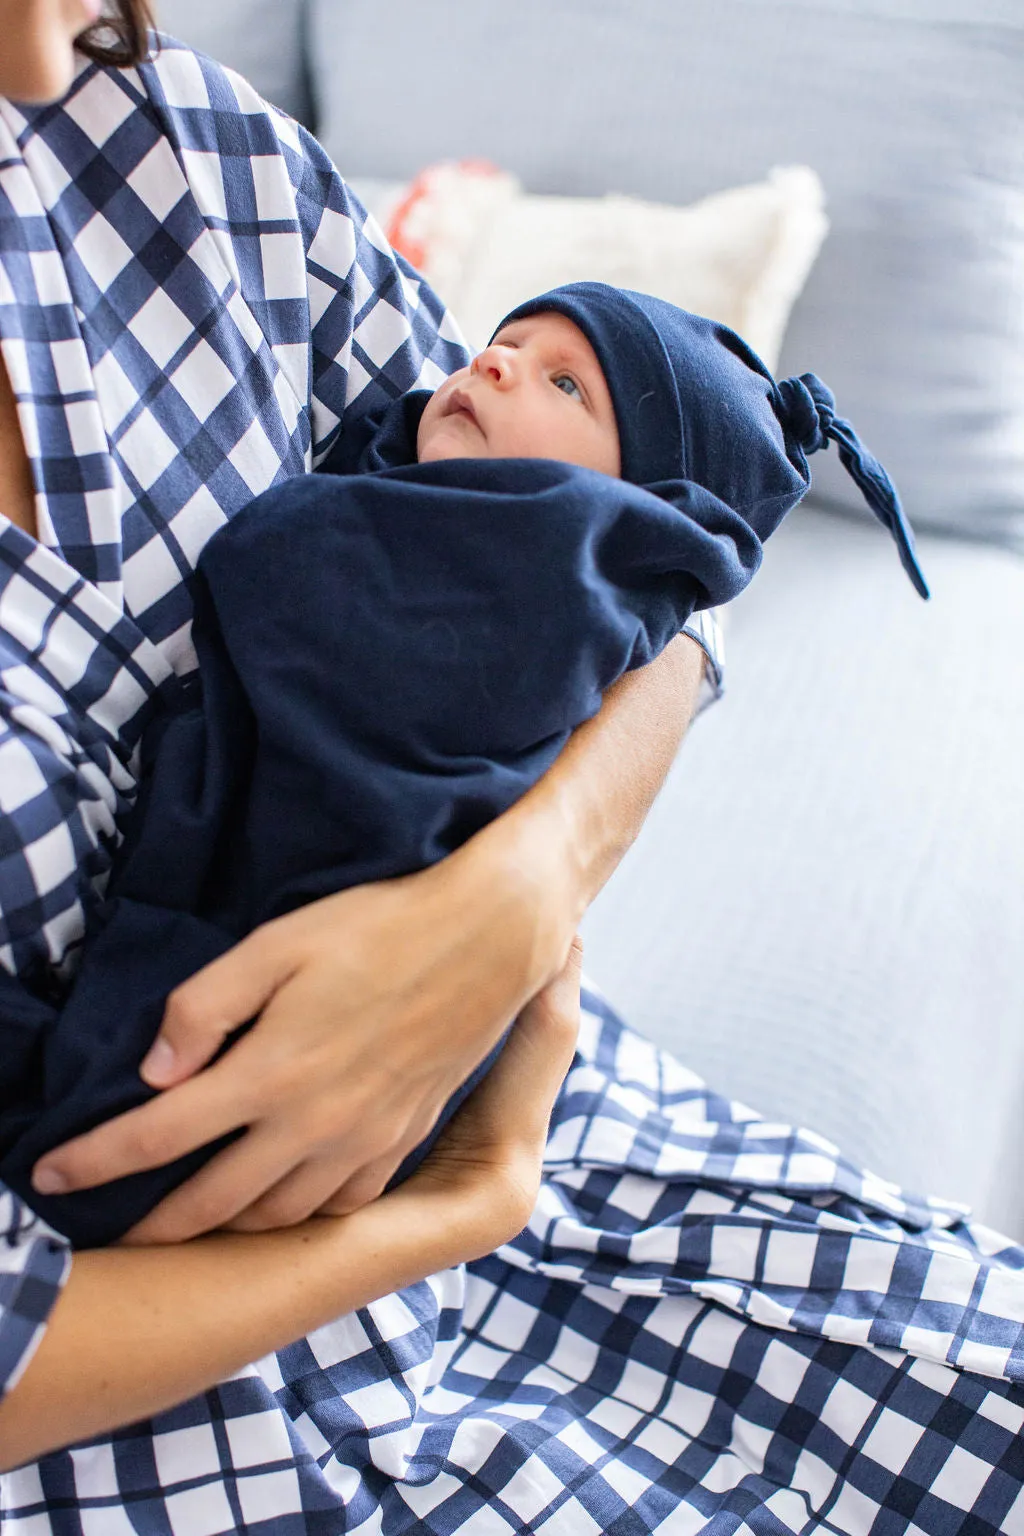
203, 1011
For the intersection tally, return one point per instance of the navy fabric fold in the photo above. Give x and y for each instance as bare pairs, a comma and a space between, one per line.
387, 662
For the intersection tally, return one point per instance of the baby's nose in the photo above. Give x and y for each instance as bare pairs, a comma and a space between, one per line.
495, 364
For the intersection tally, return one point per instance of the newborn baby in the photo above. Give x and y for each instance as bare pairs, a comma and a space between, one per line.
392, 653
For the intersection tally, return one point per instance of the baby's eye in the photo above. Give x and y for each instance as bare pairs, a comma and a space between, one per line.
567, 384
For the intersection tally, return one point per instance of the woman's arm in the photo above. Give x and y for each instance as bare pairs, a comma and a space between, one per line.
587, 810
376, 1003
138, 1330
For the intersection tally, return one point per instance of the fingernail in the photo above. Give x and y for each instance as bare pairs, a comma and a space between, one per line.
160, 1062
49, 1181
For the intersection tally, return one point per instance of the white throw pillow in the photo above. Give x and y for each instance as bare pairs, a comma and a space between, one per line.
740, 256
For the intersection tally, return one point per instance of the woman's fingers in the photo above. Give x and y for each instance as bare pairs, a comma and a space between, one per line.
202, 1012
218, 1192
199, 1111
357, 1040
496, 1141
373, 1177
517, 1095
364, 1186
328, 1186
520, 1090
305, 1192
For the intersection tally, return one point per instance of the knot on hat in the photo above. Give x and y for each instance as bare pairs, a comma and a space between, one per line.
810, 411
809, 416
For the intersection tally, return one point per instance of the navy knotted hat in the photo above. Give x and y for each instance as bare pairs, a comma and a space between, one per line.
696, 407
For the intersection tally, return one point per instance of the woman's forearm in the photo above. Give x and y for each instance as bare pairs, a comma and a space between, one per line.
137, 1330
571, 829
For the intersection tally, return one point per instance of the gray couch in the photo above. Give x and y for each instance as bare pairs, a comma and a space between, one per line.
825, 913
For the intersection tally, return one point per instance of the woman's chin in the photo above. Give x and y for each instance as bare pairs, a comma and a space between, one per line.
41, 71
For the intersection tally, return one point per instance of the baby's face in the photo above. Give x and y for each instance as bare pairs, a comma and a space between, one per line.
537, 392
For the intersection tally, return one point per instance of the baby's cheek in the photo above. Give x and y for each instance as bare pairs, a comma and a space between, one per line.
426, 432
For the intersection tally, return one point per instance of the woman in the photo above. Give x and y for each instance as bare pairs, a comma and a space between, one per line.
189, 305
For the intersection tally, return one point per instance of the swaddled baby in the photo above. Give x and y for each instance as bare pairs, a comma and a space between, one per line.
391, 654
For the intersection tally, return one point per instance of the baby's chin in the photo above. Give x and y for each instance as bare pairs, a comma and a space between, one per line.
440, 453
441, 444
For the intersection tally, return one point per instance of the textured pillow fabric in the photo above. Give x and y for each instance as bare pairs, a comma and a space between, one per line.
740, 257
910, 111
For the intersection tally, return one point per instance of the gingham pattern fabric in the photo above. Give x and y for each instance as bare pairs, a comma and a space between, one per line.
711, 1323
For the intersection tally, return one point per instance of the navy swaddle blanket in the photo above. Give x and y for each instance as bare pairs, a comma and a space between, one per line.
387, 663
389, 656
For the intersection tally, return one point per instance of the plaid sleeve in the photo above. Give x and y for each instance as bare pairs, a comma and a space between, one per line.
706, 628
377, 329
350, 323
34, 1263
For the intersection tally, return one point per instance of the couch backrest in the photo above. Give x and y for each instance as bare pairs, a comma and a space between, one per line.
263, 39
911, 111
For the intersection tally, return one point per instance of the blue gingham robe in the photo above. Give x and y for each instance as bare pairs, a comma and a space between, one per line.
711, 1323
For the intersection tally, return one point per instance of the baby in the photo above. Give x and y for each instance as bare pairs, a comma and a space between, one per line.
668, 398
391, 654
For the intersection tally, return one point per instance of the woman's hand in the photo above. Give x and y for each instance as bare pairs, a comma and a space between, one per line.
137, 1330
374, 1005
494, 1146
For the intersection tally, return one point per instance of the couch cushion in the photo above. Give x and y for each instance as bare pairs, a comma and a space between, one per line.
739, 257
909, 110
823, 915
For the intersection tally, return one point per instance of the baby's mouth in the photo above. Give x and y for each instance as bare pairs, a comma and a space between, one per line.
459, 403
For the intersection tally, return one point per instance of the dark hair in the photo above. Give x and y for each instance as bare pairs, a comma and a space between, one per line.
122, 37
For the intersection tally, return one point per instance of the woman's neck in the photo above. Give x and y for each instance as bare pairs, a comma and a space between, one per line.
17, 492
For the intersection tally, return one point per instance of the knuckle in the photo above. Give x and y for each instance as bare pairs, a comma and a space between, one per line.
183, 1013
361, 1191
296, 1077
418, 1131
565, 1009
203, 1212
381, 1147
280, 1211
275, 940
339, 1205
148, 1145
568, 1022
323, 1127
